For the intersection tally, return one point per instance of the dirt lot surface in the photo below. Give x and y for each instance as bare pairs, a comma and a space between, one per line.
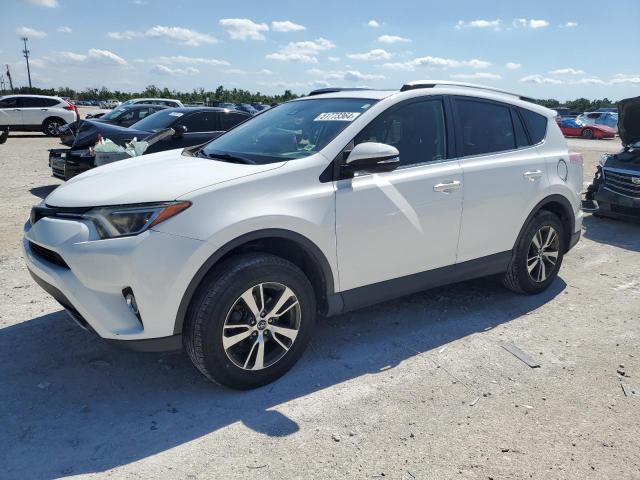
418, 388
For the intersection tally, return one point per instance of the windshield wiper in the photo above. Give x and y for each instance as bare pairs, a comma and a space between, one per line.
227, 157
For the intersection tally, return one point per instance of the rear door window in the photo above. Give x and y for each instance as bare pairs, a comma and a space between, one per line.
230, 120
486, 127
9, 102
202, 122
536, 125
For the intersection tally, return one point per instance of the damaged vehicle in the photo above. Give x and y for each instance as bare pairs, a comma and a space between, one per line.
191, 126
123, 116
615, 191
574, 127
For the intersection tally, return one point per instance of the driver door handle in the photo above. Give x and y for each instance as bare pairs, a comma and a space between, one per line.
533, 175
447, 187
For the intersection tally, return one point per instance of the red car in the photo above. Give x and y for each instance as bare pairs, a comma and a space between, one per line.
575, 128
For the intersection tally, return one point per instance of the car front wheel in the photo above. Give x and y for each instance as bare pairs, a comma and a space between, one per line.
50, 126
250, 320
537, 256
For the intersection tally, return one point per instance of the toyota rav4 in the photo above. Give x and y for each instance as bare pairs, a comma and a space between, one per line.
321, 205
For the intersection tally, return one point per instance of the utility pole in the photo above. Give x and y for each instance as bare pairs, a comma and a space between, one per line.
26, 55
1, 83
9, 77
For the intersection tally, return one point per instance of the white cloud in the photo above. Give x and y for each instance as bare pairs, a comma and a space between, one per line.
570, 25
344, 75
64, 29
180, 59
539, 79
436, 62
590, 81
477, 75
333, 59
495, 24
94, 56
164, 70
392, 39
302, 51
624, 78
377, 54
567, 71
373, 24
530, 23
44, 3
30, 32
513, 66
286, 26
243, 28
184, 36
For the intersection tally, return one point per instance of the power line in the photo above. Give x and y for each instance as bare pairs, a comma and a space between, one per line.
26, 56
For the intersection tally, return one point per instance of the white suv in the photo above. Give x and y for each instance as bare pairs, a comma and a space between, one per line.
33, 113
328, 203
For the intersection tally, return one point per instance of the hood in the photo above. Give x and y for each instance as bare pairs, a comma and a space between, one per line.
89, 130
157, 177
629, 120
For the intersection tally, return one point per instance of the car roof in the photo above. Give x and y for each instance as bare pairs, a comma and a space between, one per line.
204, 109
29, 95
434, 87
153, 98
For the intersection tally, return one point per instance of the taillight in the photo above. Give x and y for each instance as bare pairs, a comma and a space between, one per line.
575, 157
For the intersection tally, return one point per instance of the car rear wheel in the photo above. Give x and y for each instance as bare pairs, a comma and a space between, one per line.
587, 133
537, 256
250, 320
51, 125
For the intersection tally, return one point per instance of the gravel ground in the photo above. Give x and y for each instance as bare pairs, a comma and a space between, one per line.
418, 388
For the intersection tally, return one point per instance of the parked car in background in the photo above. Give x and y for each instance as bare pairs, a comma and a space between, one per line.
229, 105
123, 116
607, 109
168, 102
260, 106
191, 126
615, 191
608, 119
322, 205
36, 113
245, 107
574, 127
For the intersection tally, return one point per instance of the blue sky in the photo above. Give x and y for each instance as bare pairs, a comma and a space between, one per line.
560, 49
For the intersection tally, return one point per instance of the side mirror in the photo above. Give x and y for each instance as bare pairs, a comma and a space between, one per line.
179, 130
372, 157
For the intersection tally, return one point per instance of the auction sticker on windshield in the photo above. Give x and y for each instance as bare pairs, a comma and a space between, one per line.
336, 117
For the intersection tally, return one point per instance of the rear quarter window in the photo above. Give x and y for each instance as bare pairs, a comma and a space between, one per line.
536, 125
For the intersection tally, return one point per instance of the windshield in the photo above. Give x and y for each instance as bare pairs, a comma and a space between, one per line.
157, 121
128, 102
289, 131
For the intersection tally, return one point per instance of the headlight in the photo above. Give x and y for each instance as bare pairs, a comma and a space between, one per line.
603, 159
126, 220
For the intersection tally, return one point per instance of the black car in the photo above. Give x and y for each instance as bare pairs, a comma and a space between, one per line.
615, 191
122, 116
190, 126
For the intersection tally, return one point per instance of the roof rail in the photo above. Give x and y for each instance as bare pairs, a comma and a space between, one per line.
320, 91
433, 83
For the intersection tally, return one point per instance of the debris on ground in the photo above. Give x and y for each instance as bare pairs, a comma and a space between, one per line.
515, 351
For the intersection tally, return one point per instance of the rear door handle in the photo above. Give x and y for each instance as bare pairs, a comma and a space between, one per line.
44, 109
447, 187
533, 175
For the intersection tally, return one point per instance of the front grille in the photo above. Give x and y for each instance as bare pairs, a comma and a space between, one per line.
47, 255
42, 210
622, 182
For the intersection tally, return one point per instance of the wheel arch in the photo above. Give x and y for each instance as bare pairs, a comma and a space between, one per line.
558, 205
283, 243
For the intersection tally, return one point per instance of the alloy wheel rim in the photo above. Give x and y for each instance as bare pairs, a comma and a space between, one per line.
261, 326
53, 128
542, 256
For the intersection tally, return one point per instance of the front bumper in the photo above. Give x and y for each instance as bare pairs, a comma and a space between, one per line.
615, 205
66, 163
87, 276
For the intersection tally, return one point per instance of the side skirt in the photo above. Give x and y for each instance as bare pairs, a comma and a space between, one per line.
399, 287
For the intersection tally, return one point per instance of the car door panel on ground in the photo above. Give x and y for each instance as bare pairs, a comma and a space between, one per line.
393, 224
503, 173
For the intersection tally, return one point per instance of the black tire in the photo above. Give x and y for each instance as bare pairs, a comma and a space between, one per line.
587, 133
50, 126
517, 278
218, 293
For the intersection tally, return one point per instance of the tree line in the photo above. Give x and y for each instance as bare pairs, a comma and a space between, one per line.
236, 95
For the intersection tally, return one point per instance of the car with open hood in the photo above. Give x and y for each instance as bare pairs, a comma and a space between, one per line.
190, 126
615, 190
